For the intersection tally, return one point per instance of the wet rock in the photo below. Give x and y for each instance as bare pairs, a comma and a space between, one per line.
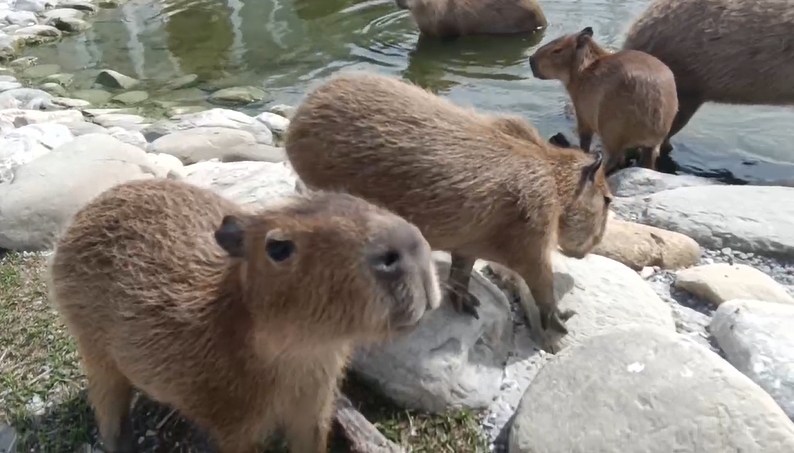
27, 98
237, 95
721, 282
758, 339
49, 190
69, 24
38, 34
41, 71
183, 95
744, 218
34, 6
113, 79
70, 103
283, 110
638, 246
251, 184
643, 389
205, 143
10, 46
125, 120
54, 89
134, 138
62, 79
216, 117
643, 181
28, 143
111, 3
94, 96
23, 18
450, 360
183, 110
80, 5
23, 62
131, 97
60, 13
276, 123
185, 81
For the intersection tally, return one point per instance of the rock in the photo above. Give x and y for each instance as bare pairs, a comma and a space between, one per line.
758, 339
125, 120
183, 95
28, 143
61, 79
237, 95
643, 389
78, 128
113, 79
744, 218
216, 117
449, 360
21, 117
131, 97
60, 13
70, 103
637, 246
133, 138
111, 3
227, 145
27, 98
5, 86
283, 110
38, 34
23, 62
10, 46
41, 71
80, 5
69, 24
23, 18
251, 184
276, 123
184, 81
94, 96
49, 190
168, 165
34, 6
721, 282
643, 181
8, 439
54, 89
183, 110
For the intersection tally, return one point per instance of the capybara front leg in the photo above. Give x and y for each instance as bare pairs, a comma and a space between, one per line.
458, 285
688, 105
308, 431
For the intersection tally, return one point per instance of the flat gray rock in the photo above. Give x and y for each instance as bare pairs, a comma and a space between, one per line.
643, 181
758, 339
226, 144
253, 185
646, 390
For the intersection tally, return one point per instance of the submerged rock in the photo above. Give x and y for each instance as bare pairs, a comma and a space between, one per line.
237, 95
112, 79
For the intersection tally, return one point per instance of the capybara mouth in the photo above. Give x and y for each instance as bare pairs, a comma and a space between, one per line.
533, 66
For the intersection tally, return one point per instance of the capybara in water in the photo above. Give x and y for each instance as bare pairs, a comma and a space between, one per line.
724, 51
453, 18
627, 98
476, 185
241, 321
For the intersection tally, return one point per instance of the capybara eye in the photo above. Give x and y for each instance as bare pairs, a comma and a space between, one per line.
279, 250
556, 51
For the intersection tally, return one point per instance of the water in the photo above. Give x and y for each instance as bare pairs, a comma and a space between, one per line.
289, 46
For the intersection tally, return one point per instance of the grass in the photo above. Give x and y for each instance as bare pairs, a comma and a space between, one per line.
42, 388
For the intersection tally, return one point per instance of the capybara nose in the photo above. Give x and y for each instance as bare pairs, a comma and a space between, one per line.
533, 65
393, 249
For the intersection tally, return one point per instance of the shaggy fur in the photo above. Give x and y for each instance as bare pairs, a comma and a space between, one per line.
725, 51
627, 97
479, 186
243, 322
453, 18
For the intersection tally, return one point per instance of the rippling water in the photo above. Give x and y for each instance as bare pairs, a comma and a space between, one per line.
289, 46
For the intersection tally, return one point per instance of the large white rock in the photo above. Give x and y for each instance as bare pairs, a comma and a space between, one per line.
643, 181
20, 117
251, 184
27, 143
450, 360
46, 192
217, 117
758, 339
223, 143
722, 282
646, 390
754, 219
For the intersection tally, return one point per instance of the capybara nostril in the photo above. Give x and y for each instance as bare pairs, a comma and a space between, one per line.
387, 264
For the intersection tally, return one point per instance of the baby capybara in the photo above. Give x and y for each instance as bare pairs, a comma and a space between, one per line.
450, 19
241, 321
628, 97
476, 185
725, 51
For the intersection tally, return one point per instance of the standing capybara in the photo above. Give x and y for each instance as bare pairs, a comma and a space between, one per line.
724, 51
627, 97
452, 18
478, 186
243, 322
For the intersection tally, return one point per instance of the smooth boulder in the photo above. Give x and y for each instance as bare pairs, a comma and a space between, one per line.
226, 144
721, 282
638, 246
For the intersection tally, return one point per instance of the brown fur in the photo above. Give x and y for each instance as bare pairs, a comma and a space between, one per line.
479, 186
725, 51
243, 332
453, 18
628, 98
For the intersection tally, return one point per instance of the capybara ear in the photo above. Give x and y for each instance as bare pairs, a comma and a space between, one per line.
279, 246
230, 236
559, 139
584, 37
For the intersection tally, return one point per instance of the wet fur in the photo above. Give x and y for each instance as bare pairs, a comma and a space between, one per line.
453, 18
477, 185
628, 98
160, 295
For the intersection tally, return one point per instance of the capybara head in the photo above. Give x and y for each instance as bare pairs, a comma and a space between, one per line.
562, 56
584, 219
335, 264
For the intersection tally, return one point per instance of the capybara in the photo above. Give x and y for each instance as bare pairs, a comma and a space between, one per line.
450, 19
723, 51
476, 185
628, 97
241, 321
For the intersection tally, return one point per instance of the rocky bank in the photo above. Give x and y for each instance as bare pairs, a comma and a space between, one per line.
685, 328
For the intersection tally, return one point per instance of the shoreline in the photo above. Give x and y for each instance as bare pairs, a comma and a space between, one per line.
684, 247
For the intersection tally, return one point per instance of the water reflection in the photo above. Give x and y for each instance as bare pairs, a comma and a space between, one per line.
290, 46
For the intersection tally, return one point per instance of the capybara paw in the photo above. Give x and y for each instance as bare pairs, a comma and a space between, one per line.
465, 303
554, 319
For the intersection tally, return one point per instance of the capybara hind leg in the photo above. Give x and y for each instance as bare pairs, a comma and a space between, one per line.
585, 134
110, 394
688, 105
458, 283
648, 156
614, 162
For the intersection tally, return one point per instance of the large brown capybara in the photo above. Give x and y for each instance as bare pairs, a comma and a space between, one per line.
723, 51
450, 19
243, 322
628, 97
476, 185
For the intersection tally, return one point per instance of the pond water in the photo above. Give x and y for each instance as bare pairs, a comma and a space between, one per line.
289, 46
